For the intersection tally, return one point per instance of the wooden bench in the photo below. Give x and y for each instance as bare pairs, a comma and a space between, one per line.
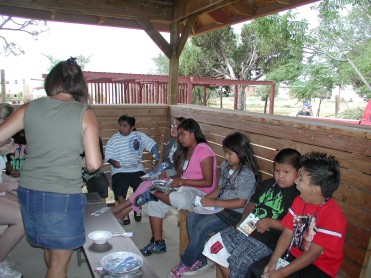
269, 134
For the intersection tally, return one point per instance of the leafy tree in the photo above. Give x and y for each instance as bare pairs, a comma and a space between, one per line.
81, 59
317, 81
361, 55
162, 64
265, 45
11, 24
343, 38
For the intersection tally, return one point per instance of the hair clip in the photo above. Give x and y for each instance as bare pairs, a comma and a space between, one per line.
72, 60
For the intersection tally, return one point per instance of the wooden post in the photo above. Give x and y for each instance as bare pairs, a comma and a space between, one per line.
183, 235
3, 86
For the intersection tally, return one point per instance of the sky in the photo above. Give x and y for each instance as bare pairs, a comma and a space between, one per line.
111, 49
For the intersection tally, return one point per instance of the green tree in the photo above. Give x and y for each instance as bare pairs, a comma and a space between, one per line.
162, 64
343, 38
317, 81
11, 24
361, 55
265, 45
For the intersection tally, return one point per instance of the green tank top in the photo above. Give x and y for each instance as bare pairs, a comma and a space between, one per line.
54, 137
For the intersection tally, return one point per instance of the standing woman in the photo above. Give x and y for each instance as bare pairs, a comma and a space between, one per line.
58, 129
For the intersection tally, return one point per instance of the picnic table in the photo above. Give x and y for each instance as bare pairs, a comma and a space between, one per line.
94, 253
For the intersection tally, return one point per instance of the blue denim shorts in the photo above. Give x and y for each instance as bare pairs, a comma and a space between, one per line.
53, 220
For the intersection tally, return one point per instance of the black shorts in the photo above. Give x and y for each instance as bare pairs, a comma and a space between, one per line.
122, 181
98, 183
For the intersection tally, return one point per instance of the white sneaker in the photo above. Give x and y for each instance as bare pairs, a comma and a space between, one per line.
7, 272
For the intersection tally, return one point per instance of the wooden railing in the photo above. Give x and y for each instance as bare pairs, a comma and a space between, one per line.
269, 134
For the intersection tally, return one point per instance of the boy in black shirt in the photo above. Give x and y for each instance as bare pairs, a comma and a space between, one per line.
233, 251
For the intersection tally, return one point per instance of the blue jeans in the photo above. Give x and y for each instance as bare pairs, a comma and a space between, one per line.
199, 226
244, 251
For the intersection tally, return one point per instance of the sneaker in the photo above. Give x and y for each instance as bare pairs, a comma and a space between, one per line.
7, 272
196, 268
178, 270
138, 215
126, 221
156, 247
144, 198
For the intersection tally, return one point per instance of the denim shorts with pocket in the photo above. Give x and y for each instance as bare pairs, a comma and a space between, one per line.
53, 220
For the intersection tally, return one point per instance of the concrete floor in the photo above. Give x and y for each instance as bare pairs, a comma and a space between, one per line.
30, 262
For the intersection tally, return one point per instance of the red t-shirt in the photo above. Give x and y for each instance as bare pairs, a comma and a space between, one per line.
322, 224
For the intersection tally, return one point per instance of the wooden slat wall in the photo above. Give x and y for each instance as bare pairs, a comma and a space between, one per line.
153, 120
270, 133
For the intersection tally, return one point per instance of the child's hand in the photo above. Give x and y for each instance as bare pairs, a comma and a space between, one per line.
14, 173
162, 176
269, 269
115, 164
8, 147
273, 274
12, 185
177, 182
207, 202
262, 225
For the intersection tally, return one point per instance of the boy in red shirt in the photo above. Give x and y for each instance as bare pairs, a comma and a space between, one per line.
314, 225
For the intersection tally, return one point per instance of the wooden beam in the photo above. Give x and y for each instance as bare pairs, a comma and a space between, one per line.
197, 7
185, 34
117, 9
155, 36
285, 2
218, 16
244, 7
75, 18
100, 20
174, 65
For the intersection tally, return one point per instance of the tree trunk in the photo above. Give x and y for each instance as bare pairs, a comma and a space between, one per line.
241, 98
265, 105
359, 73
319, 107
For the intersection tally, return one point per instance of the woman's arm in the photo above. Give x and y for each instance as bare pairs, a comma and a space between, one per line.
207, 173
12, 124
93, 158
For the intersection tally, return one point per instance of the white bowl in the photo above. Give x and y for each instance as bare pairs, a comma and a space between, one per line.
100, 237
118, 264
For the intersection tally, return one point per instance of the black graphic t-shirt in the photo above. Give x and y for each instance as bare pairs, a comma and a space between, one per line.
17, 158
272, 201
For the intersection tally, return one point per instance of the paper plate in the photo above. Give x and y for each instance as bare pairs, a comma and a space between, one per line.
121, 263
163, 185
202, 210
